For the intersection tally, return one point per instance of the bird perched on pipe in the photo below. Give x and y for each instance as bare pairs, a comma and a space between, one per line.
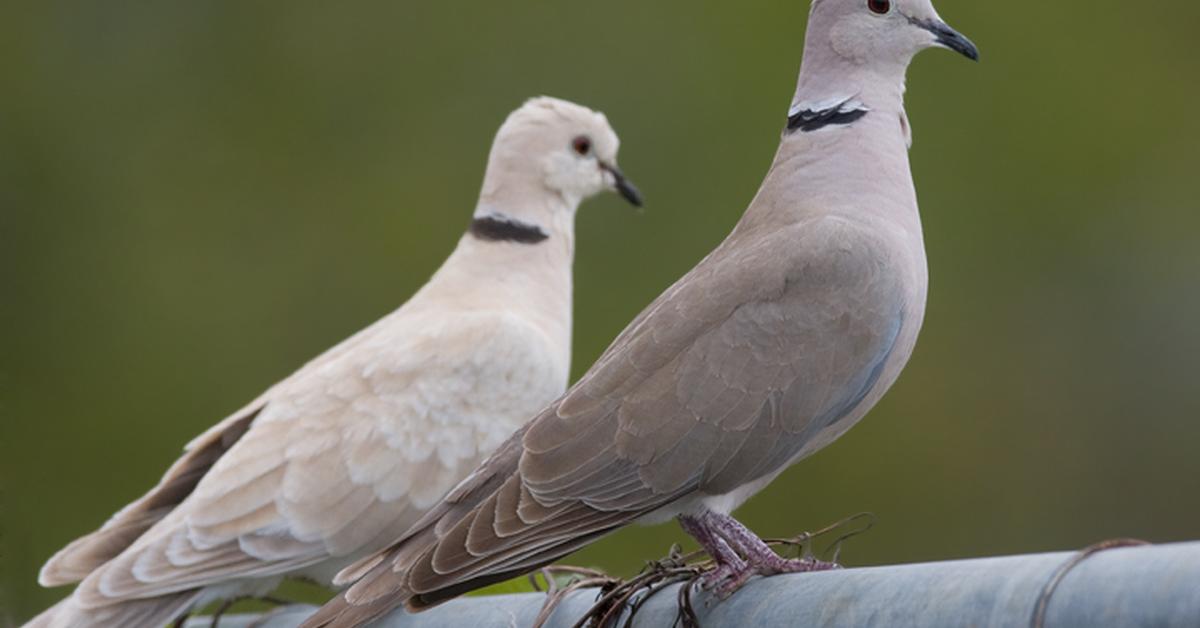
334, 462
774, 345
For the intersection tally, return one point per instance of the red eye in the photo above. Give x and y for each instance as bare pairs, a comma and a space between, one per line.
582, 145
879, 6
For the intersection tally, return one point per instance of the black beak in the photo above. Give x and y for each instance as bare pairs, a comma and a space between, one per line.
624, 187
951, 38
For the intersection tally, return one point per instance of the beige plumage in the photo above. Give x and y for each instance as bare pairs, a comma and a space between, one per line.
344, 455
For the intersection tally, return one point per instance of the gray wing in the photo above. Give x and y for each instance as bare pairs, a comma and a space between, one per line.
723, 380
730, 376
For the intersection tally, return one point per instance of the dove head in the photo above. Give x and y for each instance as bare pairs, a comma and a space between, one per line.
883, 33
549, 156
856, 53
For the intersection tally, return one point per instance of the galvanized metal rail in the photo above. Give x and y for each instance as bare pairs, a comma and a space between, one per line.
1128, 587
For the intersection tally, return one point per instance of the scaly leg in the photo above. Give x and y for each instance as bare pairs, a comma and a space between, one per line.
756, 552
714, 545
740, 554
730, 571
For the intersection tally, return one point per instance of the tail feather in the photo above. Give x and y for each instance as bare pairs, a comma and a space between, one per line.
84, 555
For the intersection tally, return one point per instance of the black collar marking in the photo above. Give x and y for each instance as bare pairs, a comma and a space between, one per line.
503, 229
809, 120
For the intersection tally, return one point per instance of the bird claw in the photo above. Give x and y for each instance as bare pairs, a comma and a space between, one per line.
796, 565
725, 580
738, 554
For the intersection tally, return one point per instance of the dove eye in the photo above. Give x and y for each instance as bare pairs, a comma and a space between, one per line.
581, 145
879, 6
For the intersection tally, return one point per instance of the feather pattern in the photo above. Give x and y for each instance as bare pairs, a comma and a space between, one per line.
667, 414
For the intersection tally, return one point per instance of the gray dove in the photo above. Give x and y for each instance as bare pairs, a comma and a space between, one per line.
336, 461
773, 346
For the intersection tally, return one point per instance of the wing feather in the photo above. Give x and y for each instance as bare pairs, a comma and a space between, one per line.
719, 383
342, 457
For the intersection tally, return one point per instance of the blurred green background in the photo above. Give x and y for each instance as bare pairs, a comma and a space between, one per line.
196, 197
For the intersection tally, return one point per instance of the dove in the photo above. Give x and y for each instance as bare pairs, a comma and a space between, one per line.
774, 345
332, 463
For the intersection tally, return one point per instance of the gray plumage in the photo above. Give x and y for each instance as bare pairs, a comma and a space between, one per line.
769, 349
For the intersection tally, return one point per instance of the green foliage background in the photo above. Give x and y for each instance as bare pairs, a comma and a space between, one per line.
196, 197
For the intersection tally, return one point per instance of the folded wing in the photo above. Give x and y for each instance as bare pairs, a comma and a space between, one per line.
722, 381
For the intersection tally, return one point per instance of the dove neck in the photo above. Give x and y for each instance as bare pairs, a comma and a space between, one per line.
543, 258
526, 200
826, 77
856, 167
540, 224
531, 280
833, 69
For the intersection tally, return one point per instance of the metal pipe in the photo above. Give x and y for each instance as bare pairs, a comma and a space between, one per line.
1127, 587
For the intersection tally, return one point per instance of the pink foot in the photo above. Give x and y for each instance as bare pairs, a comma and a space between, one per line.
726, 579
740, 554
795, 565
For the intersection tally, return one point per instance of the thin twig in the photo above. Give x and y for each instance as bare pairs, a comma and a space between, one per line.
617, 596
